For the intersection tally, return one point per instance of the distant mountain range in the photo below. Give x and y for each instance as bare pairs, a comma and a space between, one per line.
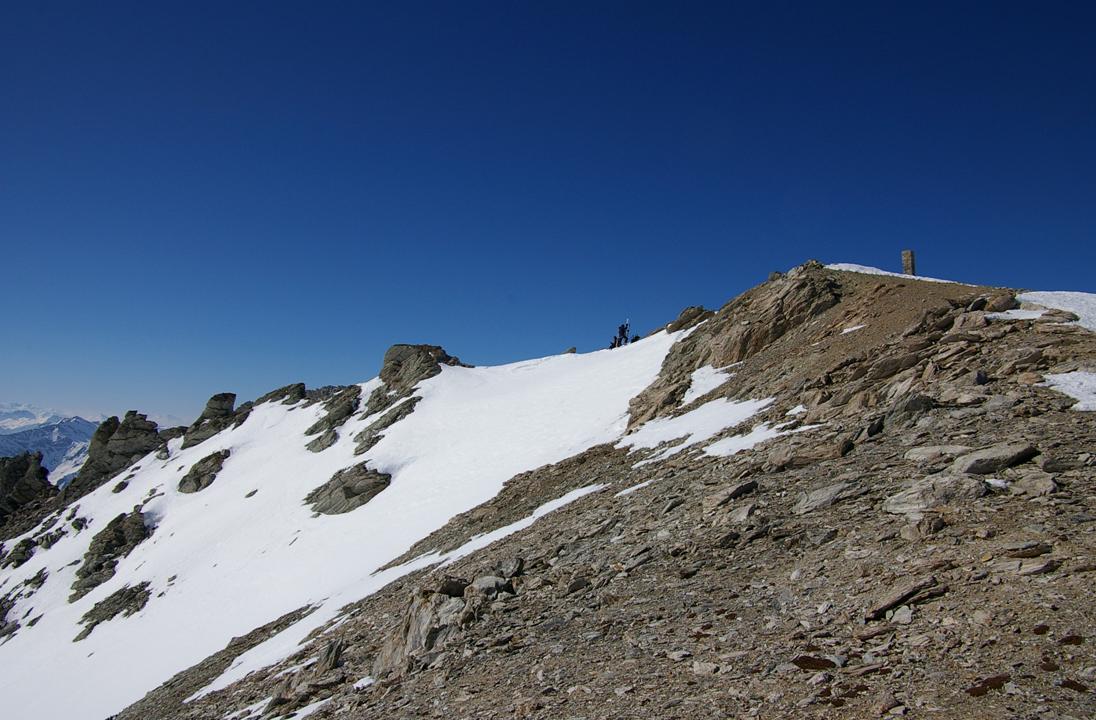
63, 441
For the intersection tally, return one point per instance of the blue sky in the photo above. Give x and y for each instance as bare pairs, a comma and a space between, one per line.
198, 197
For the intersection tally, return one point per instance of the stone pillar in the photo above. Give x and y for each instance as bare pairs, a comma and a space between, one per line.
908, 267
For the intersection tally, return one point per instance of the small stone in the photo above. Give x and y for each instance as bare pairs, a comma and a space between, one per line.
705, 668
902, 616
679, 655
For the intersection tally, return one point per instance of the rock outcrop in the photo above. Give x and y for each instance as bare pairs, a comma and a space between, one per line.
218, 415
115, 446
404, 367
125, 601
348, 489
202, 474
24, 484
337, 410
107, 547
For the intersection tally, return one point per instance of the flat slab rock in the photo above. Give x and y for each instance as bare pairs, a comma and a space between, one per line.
994, 458
932, 492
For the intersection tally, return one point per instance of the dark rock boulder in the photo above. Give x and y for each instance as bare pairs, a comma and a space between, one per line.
218, 415
23, 483
126, 601
405, 366
202, 474
348, 489
338, 408
107, 547
23, 551
287, 395
115, 446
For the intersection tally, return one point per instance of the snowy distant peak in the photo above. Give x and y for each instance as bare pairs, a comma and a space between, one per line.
15, 417
63, 443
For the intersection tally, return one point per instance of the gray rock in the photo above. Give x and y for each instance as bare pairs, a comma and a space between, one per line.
1034, 483
23, 482
126, 601
404, 367
107, 547
994, 458
115, 446
372, 434
348, 489
338, 409
203, 472
218, 415
827, 496
429, 622
932, 453
932, 492
324, 441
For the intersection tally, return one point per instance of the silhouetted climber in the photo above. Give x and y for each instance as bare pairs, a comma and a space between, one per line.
614, 343
622, 334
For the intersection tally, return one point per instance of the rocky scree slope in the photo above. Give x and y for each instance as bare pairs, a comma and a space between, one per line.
842, 495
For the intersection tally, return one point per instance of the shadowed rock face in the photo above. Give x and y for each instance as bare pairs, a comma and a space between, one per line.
107, 547
114, 447
347, 490
204, 472
126, 601
22, 483
217, 416
405, 366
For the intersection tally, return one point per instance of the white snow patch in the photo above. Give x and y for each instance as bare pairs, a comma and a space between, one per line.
633, 488
1080, 303
474, 429
703, 381
309, 709
364, 682
997, 483
249, 712
868, 270
852, 329
759, 434
797, 410
1079, 385
291, 669
692, 428
1016, 314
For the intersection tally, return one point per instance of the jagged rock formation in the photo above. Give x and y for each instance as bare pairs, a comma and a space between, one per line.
115, 446
338, 408
741, 328
202, 474
217, 416
404, 367
109, 545
23, 484
125, 601
347, 490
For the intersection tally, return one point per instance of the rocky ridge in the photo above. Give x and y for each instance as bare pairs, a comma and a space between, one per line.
914, 538
919, 540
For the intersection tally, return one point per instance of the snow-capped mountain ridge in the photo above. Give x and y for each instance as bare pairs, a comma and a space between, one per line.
63, 443
222, 537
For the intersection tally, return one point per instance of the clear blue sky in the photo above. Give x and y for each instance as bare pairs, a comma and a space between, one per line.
197, 197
